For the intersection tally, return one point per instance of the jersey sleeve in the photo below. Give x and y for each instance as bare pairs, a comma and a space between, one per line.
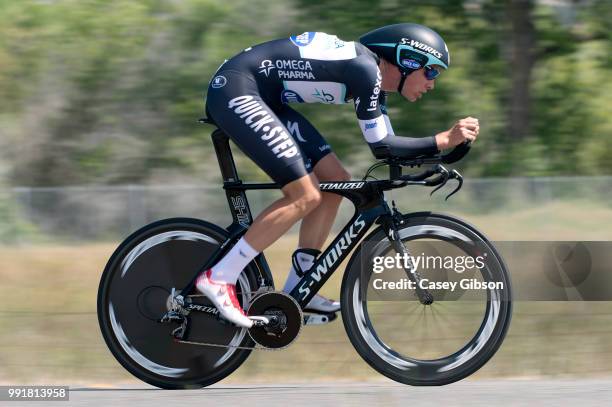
382, 100
365, 80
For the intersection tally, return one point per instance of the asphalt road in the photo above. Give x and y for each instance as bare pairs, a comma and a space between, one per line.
466, 393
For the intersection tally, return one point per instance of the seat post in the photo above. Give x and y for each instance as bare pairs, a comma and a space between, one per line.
225, 156
236, 196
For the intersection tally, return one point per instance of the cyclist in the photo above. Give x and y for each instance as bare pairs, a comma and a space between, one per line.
248, 99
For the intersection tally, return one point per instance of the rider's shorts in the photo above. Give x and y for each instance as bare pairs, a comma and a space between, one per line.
276, 137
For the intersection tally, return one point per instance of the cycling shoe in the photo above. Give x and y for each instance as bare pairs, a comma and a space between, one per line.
320, 304
223, 296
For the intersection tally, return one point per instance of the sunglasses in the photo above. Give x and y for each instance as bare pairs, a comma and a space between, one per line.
431, 73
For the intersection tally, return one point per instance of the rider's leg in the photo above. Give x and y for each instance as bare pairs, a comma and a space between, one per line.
253, 125
300, 197
316, 226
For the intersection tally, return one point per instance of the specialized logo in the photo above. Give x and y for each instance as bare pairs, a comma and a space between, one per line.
302, 39
219, 81
294, 130
261, 121
423, 47
289, 96
374, 98
324, 147
341, 185
265, 67
323, 96
333, 255
203, 308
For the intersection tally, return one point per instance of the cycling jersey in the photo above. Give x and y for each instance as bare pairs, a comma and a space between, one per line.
249, 94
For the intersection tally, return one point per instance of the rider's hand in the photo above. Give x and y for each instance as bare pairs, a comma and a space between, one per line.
464, 130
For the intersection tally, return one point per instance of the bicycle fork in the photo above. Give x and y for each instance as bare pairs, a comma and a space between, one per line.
391, 226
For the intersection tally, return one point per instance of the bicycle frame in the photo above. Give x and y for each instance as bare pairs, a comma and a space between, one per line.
367, 197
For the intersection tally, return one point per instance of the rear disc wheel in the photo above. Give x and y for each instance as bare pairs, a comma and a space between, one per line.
134, 293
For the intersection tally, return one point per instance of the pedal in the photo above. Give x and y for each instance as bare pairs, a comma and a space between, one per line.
319, 319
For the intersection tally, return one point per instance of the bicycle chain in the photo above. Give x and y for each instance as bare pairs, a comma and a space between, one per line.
217, 345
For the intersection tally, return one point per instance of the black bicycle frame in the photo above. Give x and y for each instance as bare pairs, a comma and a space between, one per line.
366, 196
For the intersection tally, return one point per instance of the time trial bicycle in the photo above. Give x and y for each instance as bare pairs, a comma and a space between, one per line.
165, 333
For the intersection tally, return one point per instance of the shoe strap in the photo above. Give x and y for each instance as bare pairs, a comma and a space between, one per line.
296, 265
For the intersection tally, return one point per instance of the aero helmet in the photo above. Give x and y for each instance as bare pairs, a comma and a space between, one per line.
408, 46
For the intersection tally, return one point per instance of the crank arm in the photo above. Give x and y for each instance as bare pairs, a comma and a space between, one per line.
319, 319
259, 321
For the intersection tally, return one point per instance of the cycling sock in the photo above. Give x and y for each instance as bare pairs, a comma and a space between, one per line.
229, 268
305, 259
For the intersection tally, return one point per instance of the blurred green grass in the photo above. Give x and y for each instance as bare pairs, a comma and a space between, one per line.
49, 330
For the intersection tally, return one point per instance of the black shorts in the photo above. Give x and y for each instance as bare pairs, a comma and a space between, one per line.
276, 137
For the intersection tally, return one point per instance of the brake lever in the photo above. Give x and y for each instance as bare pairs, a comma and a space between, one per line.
455, 175
444, 177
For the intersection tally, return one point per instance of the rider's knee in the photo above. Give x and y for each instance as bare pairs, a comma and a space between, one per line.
304, 194
343, 175
308, 201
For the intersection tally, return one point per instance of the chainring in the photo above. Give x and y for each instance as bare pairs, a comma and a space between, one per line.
285, 316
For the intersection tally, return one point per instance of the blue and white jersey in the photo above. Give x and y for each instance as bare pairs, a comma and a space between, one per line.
316, 67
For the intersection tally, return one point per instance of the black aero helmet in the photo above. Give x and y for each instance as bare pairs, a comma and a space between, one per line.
408, 46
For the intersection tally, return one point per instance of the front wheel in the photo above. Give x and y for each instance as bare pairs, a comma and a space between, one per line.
413, 341
135, 292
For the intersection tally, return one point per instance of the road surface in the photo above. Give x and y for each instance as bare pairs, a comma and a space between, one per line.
523, 392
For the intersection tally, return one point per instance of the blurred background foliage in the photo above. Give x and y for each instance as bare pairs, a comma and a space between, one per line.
108, 92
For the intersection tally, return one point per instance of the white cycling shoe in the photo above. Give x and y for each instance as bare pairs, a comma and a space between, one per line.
224, 298
320, 304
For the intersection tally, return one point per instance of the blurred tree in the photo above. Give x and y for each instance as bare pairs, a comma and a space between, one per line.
108, 92
522, 61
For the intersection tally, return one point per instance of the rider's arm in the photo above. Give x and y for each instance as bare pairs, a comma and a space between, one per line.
383, 109
373, 121
405, 147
